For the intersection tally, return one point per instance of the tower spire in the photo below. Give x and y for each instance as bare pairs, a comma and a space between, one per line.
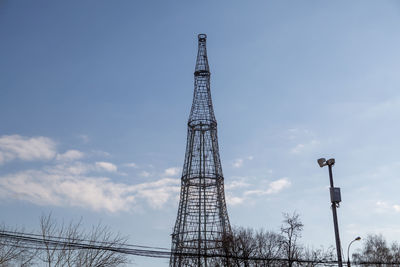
202, 111
202, 61
202, 220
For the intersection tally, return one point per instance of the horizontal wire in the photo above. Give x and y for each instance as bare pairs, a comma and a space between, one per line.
77, 239
57, 243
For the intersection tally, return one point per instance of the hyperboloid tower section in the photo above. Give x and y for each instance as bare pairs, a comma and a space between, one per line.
202, 220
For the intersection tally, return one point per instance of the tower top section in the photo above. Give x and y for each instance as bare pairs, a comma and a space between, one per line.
202, 61
202, 113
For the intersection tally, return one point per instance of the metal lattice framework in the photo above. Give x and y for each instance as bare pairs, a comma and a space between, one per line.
202, 220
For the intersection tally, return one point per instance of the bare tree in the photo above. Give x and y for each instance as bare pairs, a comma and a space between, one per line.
269, 248
14, 252
291, 232
246, 247
240, 246
375, 252
395, 250
314, 257
105, 256
66, 254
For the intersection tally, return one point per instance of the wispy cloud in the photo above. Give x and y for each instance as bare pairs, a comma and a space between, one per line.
238, 163
64, 180
131, 165
278, 185
70, 155
303, 147
396, 208
386, 207
158, 193
236, 184
173, 171
99, 153
246, 190
107, 166
75, 188
273, 188
26, 148
234, 200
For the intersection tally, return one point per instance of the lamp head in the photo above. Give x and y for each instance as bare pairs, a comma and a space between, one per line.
321, 162
330, 162
357, 238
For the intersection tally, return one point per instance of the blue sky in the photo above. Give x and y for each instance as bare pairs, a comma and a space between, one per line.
95, 96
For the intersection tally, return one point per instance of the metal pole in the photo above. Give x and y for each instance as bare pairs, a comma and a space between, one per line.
335, 222
348, 254
348, 250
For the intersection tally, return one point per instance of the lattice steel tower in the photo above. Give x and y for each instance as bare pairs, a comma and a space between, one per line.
202, 219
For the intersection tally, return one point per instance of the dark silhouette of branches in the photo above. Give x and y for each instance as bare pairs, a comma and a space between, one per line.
291, 231
68, 245
247, 247
57, 254
11, 251
377, 252
59, 244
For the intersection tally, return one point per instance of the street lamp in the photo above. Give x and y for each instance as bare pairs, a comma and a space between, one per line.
348, 250
335, 200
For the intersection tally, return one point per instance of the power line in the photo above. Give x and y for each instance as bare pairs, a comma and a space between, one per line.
76, 239
37, 242
24, 240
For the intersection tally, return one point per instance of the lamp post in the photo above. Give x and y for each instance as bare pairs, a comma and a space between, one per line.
335, 200
348, 250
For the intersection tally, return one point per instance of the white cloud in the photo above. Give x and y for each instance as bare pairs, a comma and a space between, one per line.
26, 148
246, 189
159, 192
71, 168
232, 200
273, 188
278, 185
254, 192
70, 155
386, 207
236, 184
66, 181
396, 208
131, 165
238, 163
99, 153
69, 188
107, 166
172, 171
